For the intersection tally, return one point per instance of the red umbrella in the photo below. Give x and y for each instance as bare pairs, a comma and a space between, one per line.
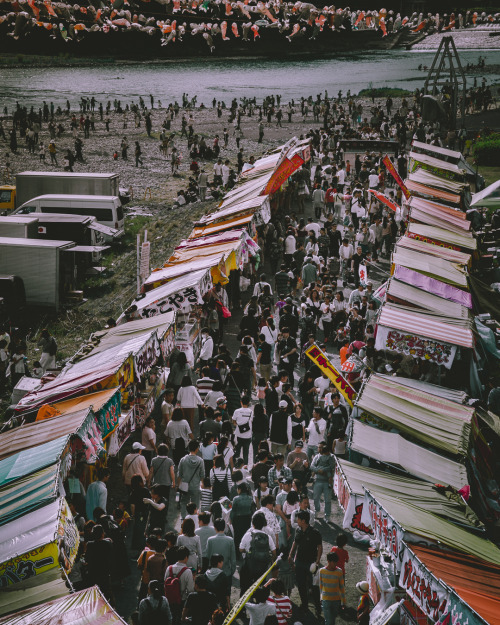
384, 199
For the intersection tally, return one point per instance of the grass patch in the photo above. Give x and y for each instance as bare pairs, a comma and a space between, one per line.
385, 92
486, 151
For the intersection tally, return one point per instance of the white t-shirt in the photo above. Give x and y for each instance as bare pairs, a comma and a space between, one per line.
243, 417
148, 434
316, 436
247, 540
290, 244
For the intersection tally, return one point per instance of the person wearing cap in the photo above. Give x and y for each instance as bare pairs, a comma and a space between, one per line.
363, 609
297, 463
280, 429
135, 463
278, 471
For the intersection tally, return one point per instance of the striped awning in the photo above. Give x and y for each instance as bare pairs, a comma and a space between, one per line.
431, 266
435, 421
444, 235
434, 250
422, 190
29, 493
455, 332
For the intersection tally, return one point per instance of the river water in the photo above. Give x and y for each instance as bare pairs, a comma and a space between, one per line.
226, 79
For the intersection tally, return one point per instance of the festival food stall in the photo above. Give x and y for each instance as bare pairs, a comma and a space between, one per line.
463, 586
81, 425
30, 492
395, 451
351, 480
31, 460
459, 241
437, 214
87, 607
104, 404
37, 549
425, 417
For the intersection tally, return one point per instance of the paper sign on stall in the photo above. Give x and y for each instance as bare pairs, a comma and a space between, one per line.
319, 358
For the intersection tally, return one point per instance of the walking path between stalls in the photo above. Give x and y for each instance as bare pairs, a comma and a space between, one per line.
126, 595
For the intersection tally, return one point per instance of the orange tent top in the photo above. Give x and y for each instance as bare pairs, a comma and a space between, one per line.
96, 400
476, 581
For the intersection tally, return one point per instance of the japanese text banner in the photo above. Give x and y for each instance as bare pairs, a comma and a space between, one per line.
319, 358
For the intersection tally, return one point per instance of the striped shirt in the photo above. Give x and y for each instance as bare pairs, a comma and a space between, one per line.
283, 608
331, 585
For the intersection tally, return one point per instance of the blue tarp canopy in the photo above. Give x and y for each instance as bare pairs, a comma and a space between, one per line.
32, 460
29, 493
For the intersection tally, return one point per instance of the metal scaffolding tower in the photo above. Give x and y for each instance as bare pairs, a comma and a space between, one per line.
447, 83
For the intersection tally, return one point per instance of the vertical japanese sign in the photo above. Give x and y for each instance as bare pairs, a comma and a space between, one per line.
319, 358
392, 170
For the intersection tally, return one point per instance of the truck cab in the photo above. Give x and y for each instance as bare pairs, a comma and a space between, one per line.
7, 198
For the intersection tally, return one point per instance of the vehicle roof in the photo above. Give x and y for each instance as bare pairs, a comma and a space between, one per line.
62, 217
51, 174
18, 219
14, 241
69, 197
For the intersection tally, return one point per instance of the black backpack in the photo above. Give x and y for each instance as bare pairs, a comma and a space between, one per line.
154, 615
220, 488
259, 556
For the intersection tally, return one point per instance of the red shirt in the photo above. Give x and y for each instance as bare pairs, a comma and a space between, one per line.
343, 557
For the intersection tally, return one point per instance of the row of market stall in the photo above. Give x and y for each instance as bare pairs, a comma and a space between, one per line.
422, 479
66, 426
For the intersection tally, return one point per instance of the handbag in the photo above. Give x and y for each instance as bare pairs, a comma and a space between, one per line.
226, 313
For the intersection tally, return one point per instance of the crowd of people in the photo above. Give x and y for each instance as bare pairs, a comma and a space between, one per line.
215, 22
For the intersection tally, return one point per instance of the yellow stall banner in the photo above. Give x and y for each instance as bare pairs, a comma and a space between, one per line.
319, 358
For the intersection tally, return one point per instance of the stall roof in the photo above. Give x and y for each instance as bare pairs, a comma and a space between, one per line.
437, 214
427, 148
250, 189
424, 524
432, 161
432, 285
393, 449
93, 400
79, 376
29, 493
428, 325
489, 197
450, 394
220, 226
33, 530
476, 581
404, 292
132, 329
87, 607
419, 189
32, 460
33, 434
172, 271
32, 591
445, 235
420, 493
250, 205
433, 420
430, 265
165, 290
434, 250
442, 184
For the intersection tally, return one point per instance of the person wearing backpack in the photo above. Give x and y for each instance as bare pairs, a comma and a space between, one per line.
217, 581
259, 550
179, 582
200, 604
241, 512
154, 609
220, 478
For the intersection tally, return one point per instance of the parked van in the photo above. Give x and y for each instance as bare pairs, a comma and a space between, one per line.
107, 209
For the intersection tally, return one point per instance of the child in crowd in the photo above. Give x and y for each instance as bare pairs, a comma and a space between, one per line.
342, 553
206, 495
192, 513
258, 611
279, 599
